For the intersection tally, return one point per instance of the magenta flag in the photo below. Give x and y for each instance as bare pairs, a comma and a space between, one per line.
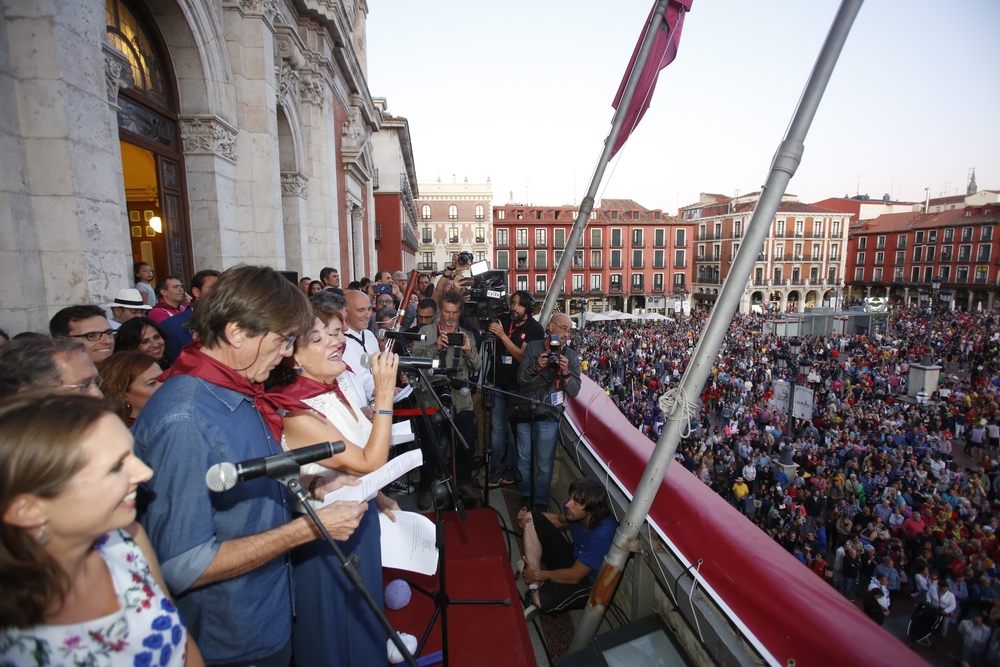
664, 51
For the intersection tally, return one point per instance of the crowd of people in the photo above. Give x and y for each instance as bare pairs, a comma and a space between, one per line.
888, 496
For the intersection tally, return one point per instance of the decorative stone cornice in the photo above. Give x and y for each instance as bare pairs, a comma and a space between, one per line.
208, 135
294, 184
312, 89
288, 82
266, 9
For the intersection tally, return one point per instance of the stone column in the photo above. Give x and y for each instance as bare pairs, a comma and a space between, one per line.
294, 194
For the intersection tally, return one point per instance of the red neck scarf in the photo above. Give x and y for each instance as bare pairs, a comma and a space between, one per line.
192, 361
304, 388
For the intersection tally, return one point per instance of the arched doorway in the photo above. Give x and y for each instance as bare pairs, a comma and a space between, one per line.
811, 299
792, 304
150, 142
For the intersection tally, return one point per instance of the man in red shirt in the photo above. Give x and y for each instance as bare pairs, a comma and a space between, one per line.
173, 299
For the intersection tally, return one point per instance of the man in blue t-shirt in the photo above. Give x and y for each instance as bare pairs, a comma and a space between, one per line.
559, 574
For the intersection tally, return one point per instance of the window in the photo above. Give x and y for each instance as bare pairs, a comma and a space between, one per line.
962, 274
799, 227
679, 280
658, 238
559, 238
817, 229
540, 283
984, 253
880, 242
779, 229
657, 282
928, 273
614, 215
918, 254
680, 238
657, 259
814, 275
595, 282
538, 215
453, 212
879, 258
616, 259
779, 251
877, 275
861, 258
915, 275
901, 241
577, 259
982, 274
540, 259
946, 253
522, 283
595, 238
502, 237
945, 273
966, 234
428, 258
616, 282
862, 243
716, 252
480, 235
593, 215
932, 236
480, 255
635, 215
680, 259
501, 214
986, 233
835, 229
859, 274
595, 259
797, 252
930, 254
425, 235
964, 253
453, 234
616, 238
480, 212
540, 237
900, 258
637, 280
502, 259
425, 212
831, 275
522, 259
949, 235
522, 238
816, 252
834, 252
919, 239
558, 214
718, 230
637, 259
737, 229
577, 282
777, 275
556, 257
897, 274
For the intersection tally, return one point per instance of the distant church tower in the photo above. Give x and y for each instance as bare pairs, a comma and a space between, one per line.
972, 189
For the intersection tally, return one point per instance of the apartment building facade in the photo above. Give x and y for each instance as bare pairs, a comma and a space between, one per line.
453, 217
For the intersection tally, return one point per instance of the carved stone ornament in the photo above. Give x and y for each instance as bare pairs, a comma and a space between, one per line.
353, 130
207, 135
266, 8
293, 183
288, 82
312, 89
114, 73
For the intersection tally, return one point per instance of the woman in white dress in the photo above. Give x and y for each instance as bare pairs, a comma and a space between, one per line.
333, 625
82, 585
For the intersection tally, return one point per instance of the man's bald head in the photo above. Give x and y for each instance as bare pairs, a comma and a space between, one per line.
359, 309
561, 324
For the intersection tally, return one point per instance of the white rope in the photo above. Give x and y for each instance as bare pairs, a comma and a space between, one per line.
679, 397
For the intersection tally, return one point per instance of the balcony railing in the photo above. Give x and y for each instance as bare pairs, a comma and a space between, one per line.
708, 280
736, 234
982, 258
657, 288
522, 243
595, 290
427, 266
638, 243
797, 257
981, 281
945, 257
540, 265
682, 244
480, 239
779, 257
833, 257
759, 282
680, 265
559, 244
597, 265
615, 288
578, 290
638, 265
637, 289
962, 280
761, 257
659, 244
706, 237
502, 244
964, 258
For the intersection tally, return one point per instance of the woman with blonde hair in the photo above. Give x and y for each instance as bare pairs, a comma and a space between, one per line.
82, 585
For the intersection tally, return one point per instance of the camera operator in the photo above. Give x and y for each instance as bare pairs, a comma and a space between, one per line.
549, 372
456, 348
513, 331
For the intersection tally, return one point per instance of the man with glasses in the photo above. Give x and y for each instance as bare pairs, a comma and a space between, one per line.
42, 363
548, 376
87, 324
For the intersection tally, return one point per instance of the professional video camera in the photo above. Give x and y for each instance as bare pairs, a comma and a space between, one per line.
487, 295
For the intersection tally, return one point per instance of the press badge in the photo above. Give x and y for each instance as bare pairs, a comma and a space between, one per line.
504, 359
557, 398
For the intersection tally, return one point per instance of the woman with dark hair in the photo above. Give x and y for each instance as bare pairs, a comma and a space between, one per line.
82, 584
334, 624
143, 335
315, 287
143, 274
130, 378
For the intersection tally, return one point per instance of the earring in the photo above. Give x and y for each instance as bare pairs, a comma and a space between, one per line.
128, 406
42, 536
299, 370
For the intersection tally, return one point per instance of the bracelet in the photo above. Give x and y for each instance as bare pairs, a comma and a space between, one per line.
450, 268
384, 412
312, 486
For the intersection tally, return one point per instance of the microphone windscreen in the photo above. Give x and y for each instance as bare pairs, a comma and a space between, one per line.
366, 360
221, 477
380, 334
464, 391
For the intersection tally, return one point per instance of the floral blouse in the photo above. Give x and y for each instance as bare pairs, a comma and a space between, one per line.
146, 631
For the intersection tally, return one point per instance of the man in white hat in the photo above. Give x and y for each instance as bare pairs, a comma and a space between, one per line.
127, 304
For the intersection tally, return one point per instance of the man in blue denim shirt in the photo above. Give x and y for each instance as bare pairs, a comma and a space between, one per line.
223, 554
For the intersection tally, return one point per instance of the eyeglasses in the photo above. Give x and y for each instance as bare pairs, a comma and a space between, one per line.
94, 336
289, 340
83, 387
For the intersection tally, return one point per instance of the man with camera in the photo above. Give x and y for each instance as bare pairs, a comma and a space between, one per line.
548, 374
455, 348
513, 332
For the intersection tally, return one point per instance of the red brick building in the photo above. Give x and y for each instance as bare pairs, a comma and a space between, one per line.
629, 258
897, 255
395, 187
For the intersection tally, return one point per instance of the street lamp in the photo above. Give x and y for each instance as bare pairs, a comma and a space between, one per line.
935, 300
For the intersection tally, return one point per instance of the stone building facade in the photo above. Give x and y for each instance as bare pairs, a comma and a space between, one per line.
190, 134
454, 217
395, 190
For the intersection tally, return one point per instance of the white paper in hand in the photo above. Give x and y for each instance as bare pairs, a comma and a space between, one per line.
371, 483
408, 544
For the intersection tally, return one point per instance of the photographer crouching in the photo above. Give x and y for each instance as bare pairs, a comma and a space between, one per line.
549, 372
455, 348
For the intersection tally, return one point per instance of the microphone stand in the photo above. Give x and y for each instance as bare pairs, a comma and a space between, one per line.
287, 473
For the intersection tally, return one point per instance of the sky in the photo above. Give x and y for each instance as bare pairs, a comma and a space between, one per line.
521, 92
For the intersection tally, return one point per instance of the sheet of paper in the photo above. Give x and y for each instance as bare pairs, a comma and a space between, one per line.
373, 481
408, 544
403, 393
401, 432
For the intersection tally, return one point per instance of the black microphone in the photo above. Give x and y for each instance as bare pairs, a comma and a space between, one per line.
382, 334
224, 476
404, 362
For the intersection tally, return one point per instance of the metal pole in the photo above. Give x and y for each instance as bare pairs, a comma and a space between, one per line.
783, 167
587, 205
